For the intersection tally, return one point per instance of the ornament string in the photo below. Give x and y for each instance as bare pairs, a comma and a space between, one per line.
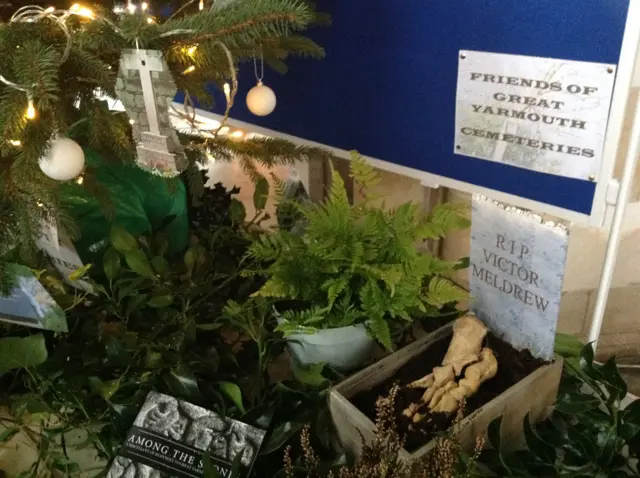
255, 66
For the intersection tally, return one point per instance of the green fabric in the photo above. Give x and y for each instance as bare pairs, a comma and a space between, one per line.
140, 200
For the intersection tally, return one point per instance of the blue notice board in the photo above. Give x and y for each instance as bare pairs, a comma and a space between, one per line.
387, 86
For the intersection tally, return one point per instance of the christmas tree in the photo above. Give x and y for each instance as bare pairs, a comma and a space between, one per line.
58, 62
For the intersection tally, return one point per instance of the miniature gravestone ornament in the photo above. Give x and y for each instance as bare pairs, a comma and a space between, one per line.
516, 271
146, 88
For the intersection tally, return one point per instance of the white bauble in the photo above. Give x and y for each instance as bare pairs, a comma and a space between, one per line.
64, 160
261, 100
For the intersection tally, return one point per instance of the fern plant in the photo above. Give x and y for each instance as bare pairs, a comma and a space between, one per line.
358, 264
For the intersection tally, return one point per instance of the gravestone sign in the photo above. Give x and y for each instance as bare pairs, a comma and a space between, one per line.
516, 271
146, 88
542, 114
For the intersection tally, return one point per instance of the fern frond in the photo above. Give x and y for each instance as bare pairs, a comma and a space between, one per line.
334, 288
363, 172
442, 291
379, 330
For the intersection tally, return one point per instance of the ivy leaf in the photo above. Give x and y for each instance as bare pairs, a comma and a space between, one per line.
122, 240
111, 263
261, 194
233, 392
17, 352
138, 263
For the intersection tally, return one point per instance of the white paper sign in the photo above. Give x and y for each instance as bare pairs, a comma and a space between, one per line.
541, 114
516, 271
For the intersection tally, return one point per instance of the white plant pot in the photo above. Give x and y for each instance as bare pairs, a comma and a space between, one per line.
344, 348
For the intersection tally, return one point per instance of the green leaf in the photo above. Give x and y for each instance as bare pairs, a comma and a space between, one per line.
233, 392
111, 263
567, 345
79, 272
138, 263
161, 266
310, 375
122, 240
261, 194
613, 381
279, 436
209, 469
160, 301
237, 211
105, 389
192, 256
18, 352
493, 432
8, 434
182, 383
236, 463
537, 445
573, 404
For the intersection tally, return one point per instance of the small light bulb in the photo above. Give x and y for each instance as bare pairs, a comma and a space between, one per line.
50, 10
31, 111
132, 121
237, 134
189, 70
39, 204
201, 5
118, 9
227, 91
150, 20
131, 7
191, 50
75, 7
15, 142
144, 6
80, 180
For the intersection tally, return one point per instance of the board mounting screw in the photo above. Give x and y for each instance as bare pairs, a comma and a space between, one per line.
458, 147
463, 55
609, 70
592, 177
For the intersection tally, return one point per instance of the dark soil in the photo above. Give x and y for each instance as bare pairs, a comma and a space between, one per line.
513, 366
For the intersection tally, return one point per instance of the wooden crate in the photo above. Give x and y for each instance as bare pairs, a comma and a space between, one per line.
534, 394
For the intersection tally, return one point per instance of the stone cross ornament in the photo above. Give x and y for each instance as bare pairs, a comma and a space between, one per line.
146, 89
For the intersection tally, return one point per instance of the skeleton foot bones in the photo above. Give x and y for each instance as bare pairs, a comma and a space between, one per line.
443, 393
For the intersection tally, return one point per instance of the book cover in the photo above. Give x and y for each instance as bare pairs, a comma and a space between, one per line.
170, 437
